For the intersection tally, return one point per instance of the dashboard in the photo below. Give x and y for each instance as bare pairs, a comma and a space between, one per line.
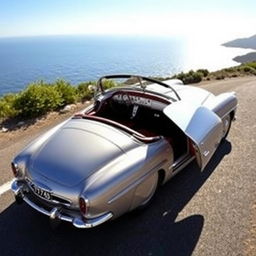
140, 99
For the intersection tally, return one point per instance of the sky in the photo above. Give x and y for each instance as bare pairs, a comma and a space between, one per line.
219, 19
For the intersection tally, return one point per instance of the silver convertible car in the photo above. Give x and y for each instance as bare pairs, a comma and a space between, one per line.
110, 158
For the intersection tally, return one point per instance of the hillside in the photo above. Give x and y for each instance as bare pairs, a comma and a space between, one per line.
245, 58
247, 43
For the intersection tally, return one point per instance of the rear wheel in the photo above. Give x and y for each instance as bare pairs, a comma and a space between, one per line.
151, 190
226, 126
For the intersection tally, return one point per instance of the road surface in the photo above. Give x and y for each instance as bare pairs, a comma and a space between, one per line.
200, 213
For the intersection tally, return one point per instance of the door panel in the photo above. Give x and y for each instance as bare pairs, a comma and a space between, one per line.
200, 124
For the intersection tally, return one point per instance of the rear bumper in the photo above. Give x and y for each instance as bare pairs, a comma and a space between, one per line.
55, 213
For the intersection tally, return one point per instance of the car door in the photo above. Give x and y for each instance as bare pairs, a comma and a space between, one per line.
200, 124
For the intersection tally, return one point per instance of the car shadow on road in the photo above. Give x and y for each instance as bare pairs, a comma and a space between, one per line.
154, 231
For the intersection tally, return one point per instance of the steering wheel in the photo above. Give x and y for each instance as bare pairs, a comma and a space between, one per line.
126, 99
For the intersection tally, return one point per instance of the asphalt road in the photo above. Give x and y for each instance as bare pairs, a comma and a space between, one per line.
199, 213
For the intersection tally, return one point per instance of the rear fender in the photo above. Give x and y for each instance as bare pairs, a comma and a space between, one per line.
222, 104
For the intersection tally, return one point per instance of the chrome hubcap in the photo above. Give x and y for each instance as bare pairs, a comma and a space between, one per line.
226, 123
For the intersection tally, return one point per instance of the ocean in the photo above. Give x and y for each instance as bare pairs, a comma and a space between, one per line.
83, 58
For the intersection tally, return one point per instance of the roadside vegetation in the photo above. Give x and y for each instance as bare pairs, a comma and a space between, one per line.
192, 76
203, 74
41, 97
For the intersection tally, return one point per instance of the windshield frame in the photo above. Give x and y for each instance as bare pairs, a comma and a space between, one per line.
101, 90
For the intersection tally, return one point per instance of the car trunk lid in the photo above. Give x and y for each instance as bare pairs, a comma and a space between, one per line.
76, 152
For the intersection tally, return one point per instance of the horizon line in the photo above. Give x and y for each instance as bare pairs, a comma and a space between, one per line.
104, 34
89, 34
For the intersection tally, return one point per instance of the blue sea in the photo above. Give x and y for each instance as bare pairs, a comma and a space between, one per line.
83, 58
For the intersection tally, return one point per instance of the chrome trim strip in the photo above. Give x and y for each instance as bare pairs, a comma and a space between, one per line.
79, 223
209, 94
55, 213
182, 158
41, 209
184, 164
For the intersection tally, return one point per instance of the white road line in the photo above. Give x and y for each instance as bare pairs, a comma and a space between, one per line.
4, 188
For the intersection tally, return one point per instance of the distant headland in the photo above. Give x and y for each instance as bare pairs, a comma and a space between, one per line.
246, 43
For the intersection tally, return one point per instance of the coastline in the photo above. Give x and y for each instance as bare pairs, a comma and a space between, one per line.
244, 43
251, 56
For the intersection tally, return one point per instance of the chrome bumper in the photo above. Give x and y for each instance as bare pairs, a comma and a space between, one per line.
55, 213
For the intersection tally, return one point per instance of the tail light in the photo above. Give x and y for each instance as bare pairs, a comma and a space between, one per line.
83, 206
15, 170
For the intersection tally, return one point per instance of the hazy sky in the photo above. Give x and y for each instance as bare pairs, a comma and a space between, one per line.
218, 19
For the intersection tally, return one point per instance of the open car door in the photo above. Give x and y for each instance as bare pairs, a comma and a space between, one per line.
200, 124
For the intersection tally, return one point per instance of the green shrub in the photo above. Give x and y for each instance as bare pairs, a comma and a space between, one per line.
107, 84
248, 69
220, 77
7, 109
204, 72
251, 64
37, 99
66, 91
253, 72
230, 70
190, 77
83, 92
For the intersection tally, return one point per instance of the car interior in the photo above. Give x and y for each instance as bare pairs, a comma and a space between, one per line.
143, 114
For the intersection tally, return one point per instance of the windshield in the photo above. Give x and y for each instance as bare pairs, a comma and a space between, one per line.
134, 82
